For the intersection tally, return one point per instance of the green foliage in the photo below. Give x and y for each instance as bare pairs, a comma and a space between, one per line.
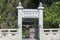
25, 32
8, 13
30, 4
52, 15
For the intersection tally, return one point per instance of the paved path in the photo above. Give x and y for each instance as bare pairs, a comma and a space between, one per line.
29, 39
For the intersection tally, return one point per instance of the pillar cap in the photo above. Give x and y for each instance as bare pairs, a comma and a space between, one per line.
20, 6
40, 6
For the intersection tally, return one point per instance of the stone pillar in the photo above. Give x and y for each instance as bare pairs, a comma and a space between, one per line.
20, 8
40, 11
59, 31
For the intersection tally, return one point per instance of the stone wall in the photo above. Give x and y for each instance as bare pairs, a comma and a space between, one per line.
12, 34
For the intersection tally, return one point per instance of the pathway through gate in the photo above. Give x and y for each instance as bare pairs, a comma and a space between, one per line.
30, 29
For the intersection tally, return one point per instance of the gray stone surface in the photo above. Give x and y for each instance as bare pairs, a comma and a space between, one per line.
29, 39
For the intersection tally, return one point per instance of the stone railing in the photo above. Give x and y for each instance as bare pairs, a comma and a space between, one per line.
51, 34
8, 34
51, 31
12, 34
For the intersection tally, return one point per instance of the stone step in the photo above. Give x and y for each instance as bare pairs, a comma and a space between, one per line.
29, 39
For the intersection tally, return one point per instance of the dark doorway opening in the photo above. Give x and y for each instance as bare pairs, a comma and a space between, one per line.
30, 28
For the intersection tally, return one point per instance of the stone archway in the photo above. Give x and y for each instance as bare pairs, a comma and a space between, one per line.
30, 13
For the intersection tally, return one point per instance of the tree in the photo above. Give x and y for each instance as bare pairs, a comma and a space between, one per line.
30, 4
35, 3
8, 13
52, 15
